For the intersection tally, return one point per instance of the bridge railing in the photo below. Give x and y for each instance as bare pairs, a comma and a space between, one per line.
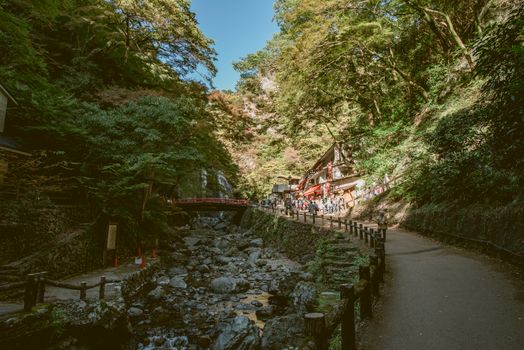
229, 201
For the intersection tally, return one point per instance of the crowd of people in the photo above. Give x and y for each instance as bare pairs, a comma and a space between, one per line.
317, 206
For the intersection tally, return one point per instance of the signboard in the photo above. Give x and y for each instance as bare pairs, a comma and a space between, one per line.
111, 236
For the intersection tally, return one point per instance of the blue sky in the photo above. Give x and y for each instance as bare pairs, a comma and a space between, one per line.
238, 27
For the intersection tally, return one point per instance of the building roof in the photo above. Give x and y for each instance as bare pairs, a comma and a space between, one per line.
11, 145
9, 96
280, 188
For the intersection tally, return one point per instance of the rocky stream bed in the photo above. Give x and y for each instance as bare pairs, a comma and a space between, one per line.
222, 289
216, 286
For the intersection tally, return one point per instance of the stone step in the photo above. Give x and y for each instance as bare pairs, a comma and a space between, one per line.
345, 270
337, 263
341, 248
344, 255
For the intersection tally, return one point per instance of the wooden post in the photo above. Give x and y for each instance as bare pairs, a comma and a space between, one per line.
384, 234
366, 298
322, 217
315, 326
298, 215
83, 289
102, 291
347, 291
361, 231
305, 217
373, 259
371, 238
29, 293
346, 225
355, 229
339, 223
314, 216
41, 287
330, 222
366, 233
382, 256
350, 227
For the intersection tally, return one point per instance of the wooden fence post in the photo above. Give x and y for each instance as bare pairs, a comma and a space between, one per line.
375, 277
298, 215
366, 301
102, 291
339, 223
322, 217
371, 238
83, 289
350, 227
366, 233
305, 217
40, 290
355, 229
347, 291
315, 326
381, 252
30, 288
346, 225
330, 222
361, 231
384, 234
314, 216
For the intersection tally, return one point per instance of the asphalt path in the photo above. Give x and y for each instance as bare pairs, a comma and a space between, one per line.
440, 297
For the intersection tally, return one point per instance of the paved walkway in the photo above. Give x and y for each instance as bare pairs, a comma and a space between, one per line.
439, 297
442, 298
54, 293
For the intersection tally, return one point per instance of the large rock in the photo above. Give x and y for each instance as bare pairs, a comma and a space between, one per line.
225, 285
178, 282
257, 242
304, 297
239, 334
282, 332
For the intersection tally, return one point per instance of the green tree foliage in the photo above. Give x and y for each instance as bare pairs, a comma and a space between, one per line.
105, 105
401, 82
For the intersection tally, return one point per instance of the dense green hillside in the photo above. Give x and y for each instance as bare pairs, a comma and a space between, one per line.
428, 89
105, 105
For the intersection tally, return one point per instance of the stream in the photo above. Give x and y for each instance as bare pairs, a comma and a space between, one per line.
222, 288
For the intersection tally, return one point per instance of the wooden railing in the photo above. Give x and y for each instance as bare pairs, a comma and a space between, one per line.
228, 201
35, 286
321, 327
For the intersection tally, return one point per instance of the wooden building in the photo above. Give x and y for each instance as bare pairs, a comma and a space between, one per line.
10, 149
332, 174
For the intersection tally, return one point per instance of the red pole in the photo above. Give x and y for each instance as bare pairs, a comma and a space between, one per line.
115, 261
143, 263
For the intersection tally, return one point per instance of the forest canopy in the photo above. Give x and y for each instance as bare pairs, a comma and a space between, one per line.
427, 89
108, 103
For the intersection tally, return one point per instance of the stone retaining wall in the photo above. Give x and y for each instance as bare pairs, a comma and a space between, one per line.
298, 241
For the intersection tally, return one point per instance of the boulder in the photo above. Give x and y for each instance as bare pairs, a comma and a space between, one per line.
191, 241
257, 242
225, 285
239, 334
282, 332
177, 271
156, 294
304, 297
135, 312
178, 282
220, 226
